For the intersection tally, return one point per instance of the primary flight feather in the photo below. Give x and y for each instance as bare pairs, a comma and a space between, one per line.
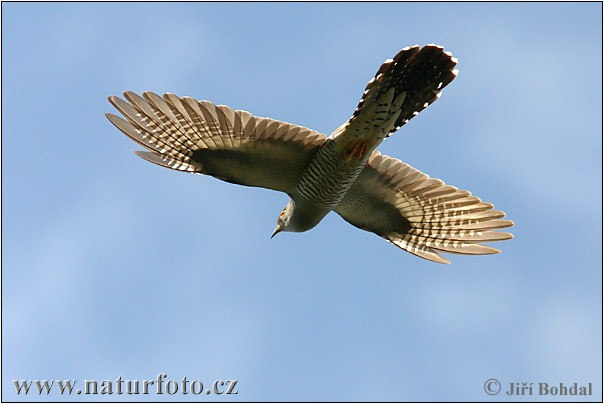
344, 173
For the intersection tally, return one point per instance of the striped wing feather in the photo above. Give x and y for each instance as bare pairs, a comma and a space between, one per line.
200, 137
420, 214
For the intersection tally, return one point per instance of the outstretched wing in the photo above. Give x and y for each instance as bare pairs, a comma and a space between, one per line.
200, 137
420, 214
402, 88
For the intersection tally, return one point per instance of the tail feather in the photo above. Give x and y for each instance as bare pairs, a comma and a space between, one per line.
420, 73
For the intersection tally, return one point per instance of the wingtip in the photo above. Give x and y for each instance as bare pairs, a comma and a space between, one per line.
493, 251
131, 96
148, 94
112, 118
439, 259
113, 100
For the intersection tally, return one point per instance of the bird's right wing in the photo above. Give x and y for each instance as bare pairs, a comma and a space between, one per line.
200, 137
420, 214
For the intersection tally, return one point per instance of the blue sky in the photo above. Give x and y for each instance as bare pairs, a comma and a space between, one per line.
115, 267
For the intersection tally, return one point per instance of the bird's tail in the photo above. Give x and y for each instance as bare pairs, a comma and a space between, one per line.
419, 73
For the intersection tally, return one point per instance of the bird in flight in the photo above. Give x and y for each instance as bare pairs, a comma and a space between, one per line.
343, 173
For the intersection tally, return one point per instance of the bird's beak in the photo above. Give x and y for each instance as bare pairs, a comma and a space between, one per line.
277, 230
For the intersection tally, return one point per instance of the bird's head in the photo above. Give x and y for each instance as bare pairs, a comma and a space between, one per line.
284, 222
299, 216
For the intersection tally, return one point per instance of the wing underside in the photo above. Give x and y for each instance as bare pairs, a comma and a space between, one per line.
200, 137
420, 214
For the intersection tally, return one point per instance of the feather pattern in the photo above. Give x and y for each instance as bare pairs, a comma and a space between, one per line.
420, 214
344, 173
200, 137
419, 74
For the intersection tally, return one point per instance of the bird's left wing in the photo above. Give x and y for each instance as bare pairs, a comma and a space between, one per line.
200, 137
420, 214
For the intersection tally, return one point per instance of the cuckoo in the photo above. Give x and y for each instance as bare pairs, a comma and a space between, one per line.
343, 173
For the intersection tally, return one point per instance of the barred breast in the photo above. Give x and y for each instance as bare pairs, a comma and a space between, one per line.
329, 176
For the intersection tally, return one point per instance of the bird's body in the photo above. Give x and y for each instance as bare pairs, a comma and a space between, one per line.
343, 173
338, 163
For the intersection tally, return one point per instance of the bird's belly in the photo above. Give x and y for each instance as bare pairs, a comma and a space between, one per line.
330, 174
